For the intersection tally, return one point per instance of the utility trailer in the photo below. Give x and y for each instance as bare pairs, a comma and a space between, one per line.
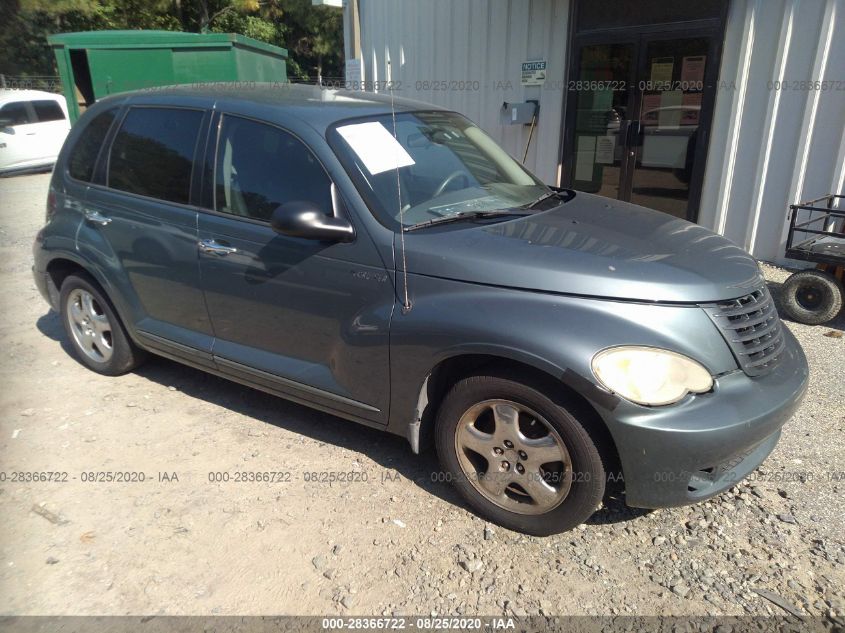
816, 234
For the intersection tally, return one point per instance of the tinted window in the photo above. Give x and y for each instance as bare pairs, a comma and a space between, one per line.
47, 110
259, 167
83, 156
153, 152
14, 113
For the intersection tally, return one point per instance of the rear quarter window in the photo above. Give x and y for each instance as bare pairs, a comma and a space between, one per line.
48, 110
83, 156
152, 154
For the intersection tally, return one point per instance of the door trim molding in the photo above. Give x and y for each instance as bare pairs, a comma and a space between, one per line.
156, 343
292, 384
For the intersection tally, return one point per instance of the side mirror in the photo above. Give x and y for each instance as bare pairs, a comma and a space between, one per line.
306, 220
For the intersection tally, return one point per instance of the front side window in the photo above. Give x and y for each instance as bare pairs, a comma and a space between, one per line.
15, 113
84, 154
48, 110
446, 166
152, 154
260, 167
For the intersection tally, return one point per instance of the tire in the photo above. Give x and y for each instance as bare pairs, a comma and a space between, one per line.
812, 297
543, 498
97, 335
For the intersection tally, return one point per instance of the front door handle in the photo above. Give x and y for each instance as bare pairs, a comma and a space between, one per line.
213, 248
96, 217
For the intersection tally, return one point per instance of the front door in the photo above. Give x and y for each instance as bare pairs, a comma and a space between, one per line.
307, 318
638, 118
18, 135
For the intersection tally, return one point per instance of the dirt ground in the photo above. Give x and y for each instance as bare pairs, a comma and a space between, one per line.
393, 540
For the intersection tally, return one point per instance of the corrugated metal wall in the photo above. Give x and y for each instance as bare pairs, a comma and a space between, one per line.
769, 147
467, 54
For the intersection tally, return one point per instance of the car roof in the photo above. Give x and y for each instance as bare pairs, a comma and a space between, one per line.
317, 106
7, 95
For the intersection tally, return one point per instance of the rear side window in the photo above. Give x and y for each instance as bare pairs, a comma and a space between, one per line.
260, 167
48, 110
152, 154
15, 113
83, 156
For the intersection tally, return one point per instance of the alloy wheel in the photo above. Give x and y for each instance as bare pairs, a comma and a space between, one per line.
90, 325
513, 457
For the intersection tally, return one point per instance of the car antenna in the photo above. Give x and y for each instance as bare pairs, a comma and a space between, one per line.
406, 303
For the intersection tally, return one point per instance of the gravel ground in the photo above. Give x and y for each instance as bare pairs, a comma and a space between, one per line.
393, 540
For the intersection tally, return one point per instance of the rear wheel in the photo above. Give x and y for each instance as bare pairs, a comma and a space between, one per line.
812, 297
518, 458
95, 332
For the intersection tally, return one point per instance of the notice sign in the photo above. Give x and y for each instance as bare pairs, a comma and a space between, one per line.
661, 72
692, 72
585, 158
691, 108
354, 73
605, 149
534, 73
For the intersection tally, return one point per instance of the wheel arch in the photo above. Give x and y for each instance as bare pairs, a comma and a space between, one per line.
565, 387
63, 265
58, 269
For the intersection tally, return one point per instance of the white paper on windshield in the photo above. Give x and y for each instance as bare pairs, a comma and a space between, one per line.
375, 146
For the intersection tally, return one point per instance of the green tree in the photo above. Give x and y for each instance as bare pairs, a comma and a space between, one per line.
312, 35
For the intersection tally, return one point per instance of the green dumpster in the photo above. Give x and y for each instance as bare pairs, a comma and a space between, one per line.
94, 64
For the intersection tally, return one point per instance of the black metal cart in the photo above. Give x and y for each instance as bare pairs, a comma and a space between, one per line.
816, 234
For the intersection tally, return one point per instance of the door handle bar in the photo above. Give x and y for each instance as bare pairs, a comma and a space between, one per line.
213, 248
96, 217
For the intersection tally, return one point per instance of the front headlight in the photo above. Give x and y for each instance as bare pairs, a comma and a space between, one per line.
648, 375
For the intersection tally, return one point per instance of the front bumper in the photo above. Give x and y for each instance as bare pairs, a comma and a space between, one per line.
696, 449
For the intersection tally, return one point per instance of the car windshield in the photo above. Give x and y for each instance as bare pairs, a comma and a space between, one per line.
446, 165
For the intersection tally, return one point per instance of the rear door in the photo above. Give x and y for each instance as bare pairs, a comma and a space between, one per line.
306, 318
141, 226
51, 127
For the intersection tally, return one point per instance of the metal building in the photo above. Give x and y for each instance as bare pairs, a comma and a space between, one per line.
720, 111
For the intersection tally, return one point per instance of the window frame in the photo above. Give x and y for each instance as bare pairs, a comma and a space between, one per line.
208, 203
102, 171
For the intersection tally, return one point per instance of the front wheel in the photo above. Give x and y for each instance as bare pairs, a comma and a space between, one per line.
518, 458
812, 297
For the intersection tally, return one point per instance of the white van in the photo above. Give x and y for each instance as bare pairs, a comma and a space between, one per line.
33, 126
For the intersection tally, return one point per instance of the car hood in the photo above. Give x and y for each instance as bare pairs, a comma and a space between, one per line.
589, 246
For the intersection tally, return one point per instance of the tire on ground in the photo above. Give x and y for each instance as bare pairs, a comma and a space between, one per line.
126, 356
588, 466
812, 297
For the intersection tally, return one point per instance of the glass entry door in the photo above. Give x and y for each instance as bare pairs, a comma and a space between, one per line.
638, 114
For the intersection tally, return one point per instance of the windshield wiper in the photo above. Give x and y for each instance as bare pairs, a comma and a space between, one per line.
564, 195
459, 217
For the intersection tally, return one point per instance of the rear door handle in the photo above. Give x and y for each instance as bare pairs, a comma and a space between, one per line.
96, 217
214, 248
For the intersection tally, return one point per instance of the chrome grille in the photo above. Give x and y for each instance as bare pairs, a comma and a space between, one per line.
751, 326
